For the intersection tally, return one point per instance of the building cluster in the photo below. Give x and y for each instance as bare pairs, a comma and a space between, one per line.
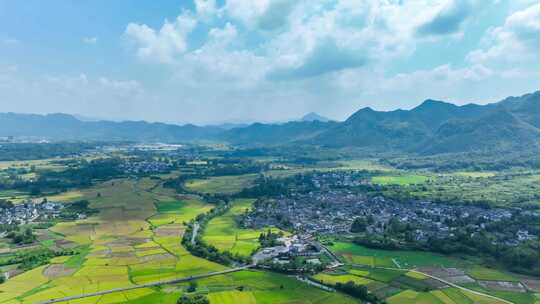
144, 167
333, 212
291, 247
337, 179
29, 212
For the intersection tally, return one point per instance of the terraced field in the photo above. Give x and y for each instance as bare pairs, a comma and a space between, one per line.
135, 239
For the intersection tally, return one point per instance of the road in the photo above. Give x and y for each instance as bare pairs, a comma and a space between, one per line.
463, 288
175, 281
196, 227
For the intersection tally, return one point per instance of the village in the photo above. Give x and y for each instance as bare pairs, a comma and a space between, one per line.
29, 212
334, 212
135, 167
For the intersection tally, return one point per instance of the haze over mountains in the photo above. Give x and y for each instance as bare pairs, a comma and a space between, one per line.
430, 128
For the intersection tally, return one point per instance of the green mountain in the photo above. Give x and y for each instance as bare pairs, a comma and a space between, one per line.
430, 128
440, 127
66, 127
273, 134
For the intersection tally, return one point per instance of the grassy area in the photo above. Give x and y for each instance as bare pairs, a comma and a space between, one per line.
360, 255
224, 233
405, 179
502, 189
221, 184
178, 212
476, 174
489, 274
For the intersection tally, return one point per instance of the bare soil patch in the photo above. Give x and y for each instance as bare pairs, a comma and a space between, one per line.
452, 275
57, 271
157, 257
503, 286
65, 244
169, 230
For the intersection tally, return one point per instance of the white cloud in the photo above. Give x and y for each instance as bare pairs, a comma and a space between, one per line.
246, 11
518, 40
90, 40
328, 56
206, 8
163, 45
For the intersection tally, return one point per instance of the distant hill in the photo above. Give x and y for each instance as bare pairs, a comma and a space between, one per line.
67, 127
310, 117
272, 134
430, 128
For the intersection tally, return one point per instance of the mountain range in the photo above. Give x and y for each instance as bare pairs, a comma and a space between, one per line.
430, 128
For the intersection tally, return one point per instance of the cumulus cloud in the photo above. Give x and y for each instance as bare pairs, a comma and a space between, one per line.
164, 44
448, 20
518, 40
328, 56
325, 58
206, 8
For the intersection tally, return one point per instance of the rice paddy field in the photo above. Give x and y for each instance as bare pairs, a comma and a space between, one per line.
224, 233
360, 255
403, 179
135, 239
386, 274
221, 184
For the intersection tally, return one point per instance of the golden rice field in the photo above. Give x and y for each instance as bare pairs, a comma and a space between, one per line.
135, 239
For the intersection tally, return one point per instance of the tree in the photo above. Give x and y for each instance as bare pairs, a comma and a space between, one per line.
193, 299
359, 225
192, 286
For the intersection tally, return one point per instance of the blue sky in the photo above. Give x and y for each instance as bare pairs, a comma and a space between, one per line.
207, 61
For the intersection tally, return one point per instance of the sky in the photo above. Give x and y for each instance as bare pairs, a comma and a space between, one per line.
217, 61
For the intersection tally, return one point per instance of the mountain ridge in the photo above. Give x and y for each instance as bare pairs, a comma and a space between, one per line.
432, 127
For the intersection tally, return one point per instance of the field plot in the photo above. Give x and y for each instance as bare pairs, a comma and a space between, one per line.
224, 233
221, 184
405, 179
178, 211
356, 254
135, 238
510, 188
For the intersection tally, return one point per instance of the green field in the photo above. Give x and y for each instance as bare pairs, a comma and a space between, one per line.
489, 274
224, 233
221, 184
405, 179
135, 239
360, 255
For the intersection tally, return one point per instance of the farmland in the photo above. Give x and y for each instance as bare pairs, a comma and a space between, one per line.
136, 234
224, 233
135, 239
221, 184
386, 274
